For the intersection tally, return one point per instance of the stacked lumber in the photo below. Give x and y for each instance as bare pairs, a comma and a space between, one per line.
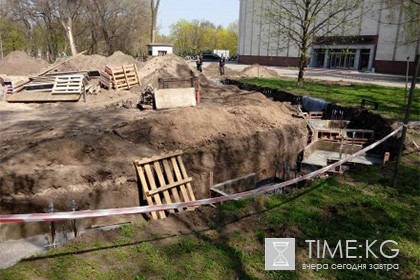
122, 77
164, 180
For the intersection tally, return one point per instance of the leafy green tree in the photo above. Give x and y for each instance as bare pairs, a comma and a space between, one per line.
300, 21
194, 37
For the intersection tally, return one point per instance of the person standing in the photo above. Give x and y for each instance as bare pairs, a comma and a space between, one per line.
222, 63
199, 64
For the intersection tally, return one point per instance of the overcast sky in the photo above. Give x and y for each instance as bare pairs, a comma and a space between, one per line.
219, 12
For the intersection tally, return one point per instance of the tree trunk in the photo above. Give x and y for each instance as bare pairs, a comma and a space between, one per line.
154, 9
302, 65
68, 26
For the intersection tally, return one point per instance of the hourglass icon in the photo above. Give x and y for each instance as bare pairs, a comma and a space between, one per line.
280, 247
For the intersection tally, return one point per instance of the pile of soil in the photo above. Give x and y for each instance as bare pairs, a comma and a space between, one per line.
212, 71
87, 153
20, 63
258, 71
167, 66
97, 62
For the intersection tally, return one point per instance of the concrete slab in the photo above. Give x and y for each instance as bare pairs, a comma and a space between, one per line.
175, 98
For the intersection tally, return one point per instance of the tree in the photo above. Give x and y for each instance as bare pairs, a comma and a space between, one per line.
66, 12
192, 38
154, 8
300, 21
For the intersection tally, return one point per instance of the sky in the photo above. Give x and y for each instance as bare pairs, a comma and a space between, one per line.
219, 12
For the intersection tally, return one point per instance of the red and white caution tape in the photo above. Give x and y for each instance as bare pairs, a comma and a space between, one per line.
47, 217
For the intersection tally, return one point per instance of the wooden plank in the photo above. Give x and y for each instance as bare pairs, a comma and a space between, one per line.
170, 186
152, 185
160, 157
170, 177
162, 182
184, 174
179, 178
145, 188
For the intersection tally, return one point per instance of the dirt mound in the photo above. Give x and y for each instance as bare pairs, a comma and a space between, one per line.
167, 66
212, 71
97, 62
20, 63
119, 58
258, 71
241, 116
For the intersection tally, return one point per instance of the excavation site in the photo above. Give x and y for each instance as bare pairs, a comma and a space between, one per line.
95, 132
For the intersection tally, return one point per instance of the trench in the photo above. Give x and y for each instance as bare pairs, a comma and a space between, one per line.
268, 154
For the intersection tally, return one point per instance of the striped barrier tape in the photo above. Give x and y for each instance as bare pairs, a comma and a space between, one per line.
48, 217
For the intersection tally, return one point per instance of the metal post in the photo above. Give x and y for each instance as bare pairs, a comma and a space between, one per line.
73, 208
51, 210
406, 118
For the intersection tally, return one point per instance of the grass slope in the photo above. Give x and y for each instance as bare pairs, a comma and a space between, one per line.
391, 99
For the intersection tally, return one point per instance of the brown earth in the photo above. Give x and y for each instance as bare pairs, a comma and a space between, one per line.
212, 71
258, 71
20, 63
97, 62
85, 151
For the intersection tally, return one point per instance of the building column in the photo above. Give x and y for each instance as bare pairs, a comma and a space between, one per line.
312, 58
371, 54
326, 58
357, 60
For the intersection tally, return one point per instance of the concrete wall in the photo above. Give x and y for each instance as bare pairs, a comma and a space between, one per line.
259, 44
157, 49
175, 98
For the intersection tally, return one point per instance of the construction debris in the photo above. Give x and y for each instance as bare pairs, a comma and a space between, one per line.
160, 186
147, 98
123, 77
52, 88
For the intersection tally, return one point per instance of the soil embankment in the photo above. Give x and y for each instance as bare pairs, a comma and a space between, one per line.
85, 151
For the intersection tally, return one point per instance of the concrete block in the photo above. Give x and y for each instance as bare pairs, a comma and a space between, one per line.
175, 98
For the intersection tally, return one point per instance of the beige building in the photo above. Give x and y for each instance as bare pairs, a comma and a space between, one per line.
374, 42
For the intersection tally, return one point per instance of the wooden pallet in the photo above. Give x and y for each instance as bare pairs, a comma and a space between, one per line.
164, 180
105, 80
68, 84
123, 77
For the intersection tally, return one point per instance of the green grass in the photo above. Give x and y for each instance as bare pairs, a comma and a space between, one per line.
391, 99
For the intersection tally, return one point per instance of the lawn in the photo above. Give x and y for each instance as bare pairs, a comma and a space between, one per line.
391, 99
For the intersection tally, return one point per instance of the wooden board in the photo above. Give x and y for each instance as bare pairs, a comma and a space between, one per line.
164, 179
68, 84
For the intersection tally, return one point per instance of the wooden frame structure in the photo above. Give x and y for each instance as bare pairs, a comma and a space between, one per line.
69, 84
122, 77
164, 180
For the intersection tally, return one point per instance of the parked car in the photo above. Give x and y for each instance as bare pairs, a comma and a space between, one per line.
210, 57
